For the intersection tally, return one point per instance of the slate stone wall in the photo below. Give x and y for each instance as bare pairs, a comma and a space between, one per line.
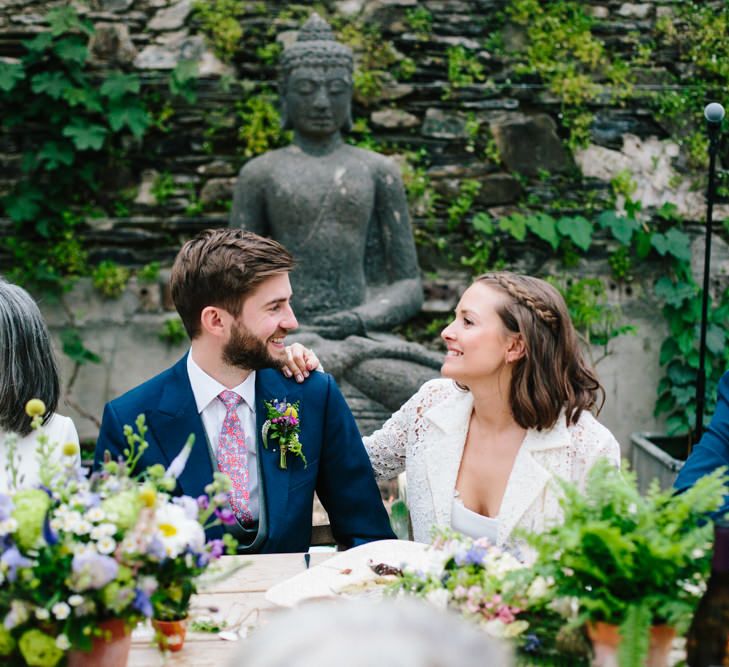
199, 152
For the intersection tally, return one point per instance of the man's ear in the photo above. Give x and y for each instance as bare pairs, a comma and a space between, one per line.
214, 321
516, 349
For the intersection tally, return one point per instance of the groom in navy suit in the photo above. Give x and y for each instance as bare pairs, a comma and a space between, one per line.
232, 291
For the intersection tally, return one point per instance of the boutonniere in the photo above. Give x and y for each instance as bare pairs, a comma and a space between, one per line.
283, 425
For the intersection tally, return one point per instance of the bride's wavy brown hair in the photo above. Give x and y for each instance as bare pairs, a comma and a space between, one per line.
553, 374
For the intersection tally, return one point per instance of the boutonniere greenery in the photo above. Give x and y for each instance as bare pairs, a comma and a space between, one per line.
283, 425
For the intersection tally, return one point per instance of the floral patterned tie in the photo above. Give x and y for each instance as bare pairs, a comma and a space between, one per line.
233, 457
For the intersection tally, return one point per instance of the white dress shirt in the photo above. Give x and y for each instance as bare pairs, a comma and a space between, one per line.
212, 413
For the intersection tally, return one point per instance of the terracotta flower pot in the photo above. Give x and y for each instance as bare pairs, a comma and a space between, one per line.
170, 634
605, 639
109, 650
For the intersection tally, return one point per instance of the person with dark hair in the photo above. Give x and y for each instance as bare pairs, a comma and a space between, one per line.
27, 370
232, 291
481, 447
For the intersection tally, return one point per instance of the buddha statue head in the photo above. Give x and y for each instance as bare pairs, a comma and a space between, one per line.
315, 82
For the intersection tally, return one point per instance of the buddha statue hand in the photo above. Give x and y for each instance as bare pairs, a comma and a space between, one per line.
339, 325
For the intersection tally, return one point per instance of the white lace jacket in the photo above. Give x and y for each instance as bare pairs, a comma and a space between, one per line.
426, 438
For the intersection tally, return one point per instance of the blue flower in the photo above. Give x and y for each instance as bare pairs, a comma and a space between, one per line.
532, 643
142, 603
13, 559
92, 570
474, 556
6, 506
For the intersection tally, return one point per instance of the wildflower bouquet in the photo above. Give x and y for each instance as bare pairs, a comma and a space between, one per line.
488, 585
77, 551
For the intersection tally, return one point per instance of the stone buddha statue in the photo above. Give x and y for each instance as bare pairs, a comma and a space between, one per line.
343, 213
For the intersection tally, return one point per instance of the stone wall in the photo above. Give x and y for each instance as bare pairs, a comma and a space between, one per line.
198, 151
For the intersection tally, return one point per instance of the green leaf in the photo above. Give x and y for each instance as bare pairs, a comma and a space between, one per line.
674, 242
88, 98
133, 115
39, 43
715, 339
23, 205
52, 84
482, 222
55, 153
515, 225
71, 49
10, 74
680, 374
545, 227
118, 84
621, 227
577, 229
399, 519
635, 635
85, 136
65, 19
642, 243
183, 79
674, 294
669, 350
74, 348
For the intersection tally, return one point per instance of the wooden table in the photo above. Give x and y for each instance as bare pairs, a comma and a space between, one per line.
242, 592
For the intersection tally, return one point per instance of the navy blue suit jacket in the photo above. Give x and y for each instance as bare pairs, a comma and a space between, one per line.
712, 451
338, 467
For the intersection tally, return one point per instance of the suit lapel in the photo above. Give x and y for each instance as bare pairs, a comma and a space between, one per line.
529, 477
275, 481
444, 450
173, 421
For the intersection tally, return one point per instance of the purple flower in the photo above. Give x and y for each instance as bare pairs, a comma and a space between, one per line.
49, 535
225, 515
217, 548
474, 556
203, 502
142, 603
203, 559
156, 548
6, 506
13, 559
92, 570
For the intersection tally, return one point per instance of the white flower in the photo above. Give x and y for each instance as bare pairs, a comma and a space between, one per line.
106, 545
75, 600
82, 527
95, 514
61, 610
103, 530
180, 461
176, 531
537, 589
70, 521
42, 614
63, 643
497, 628
438, 598
188, 504
8, 526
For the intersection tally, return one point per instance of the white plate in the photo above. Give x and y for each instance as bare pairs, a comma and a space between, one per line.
346, 570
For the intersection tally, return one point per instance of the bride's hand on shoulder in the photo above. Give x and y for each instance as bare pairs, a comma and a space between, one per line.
300, 361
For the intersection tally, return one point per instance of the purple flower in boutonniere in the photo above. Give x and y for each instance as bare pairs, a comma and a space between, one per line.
283, 424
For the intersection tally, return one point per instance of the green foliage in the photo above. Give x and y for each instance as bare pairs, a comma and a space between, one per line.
149, 273
464, 69
163, 187
79, 125
173, 331
420, 21
110, 279
260, 124
457, 211
621, 555
219, 20
74, 348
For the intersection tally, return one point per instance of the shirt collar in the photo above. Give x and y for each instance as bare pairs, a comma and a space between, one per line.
205, 388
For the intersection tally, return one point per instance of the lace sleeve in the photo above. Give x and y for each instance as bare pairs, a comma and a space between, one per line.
387, 447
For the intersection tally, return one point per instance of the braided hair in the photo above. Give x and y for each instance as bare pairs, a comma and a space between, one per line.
553, 374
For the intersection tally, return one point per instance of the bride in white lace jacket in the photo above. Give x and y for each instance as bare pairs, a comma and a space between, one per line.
482, 448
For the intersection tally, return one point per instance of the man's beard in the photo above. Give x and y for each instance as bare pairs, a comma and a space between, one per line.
246, 351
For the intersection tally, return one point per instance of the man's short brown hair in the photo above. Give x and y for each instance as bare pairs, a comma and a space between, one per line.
221, 267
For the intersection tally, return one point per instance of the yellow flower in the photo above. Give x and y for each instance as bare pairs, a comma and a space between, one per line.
35, 407
291, 412
70, 449
148, 496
